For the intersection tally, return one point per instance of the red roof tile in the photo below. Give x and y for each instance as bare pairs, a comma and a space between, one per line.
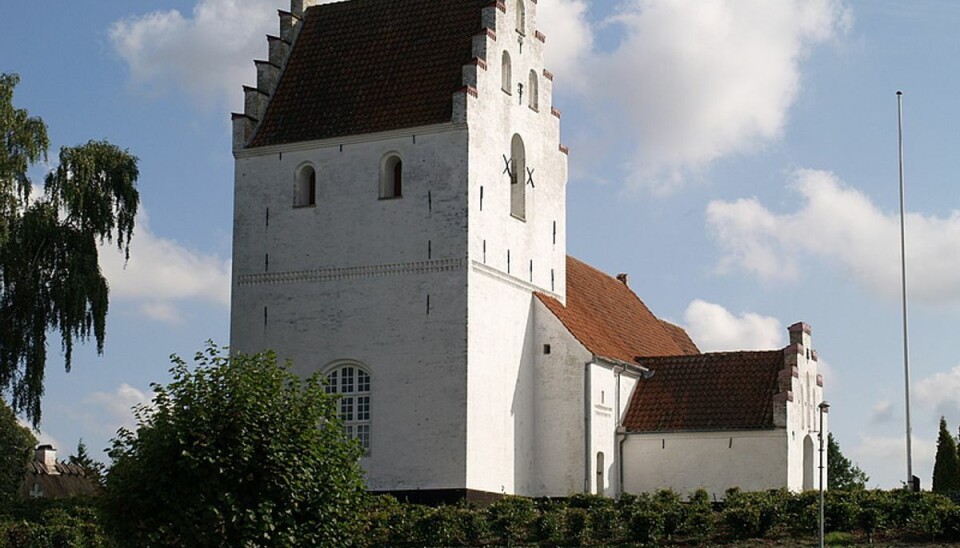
716, 391
610, 320
365, 66
681, 337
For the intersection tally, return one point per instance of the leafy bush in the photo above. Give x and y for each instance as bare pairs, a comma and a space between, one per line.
698, 517
236, 451
511, 519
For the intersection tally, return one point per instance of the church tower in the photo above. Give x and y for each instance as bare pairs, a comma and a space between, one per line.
399, 199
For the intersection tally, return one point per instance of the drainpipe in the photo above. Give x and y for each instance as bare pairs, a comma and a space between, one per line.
586, 427
617, 371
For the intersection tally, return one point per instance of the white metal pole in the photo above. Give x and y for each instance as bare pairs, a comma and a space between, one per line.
822, 407
903, 279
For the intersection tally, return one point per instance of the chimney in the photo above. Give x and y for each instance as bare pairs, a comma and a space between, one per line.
47, 457
622, 277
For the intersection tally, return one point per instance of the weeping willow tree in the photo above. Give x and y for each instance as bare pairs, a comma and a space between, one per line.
50, 279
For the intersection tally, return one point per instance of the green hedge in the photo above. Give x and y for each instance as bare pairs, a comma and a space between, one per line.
654, 519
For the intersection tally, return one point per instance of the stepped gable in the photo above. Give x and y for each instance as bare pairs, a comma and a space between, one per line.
714, 391
610, 320
365, 66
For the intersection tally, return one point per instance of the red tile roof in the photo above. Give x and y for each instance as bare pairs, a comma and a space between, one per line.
610, 320
716, 391
681, 337
366, 66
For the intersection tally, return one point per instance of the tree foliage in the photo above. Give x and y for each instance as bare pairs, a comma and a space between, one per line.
842, 473
16, 449
93, 468
946, 469
50, 278
236, 452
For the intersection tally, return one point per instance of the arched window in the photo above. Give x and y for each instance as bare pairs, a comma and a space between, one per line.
518, 172
505, 77
305, 191
521, 17
391, 176
352, 384
533, 91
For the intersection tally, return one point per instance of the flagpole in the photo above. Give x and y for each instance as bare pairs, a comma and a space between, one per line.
903, 278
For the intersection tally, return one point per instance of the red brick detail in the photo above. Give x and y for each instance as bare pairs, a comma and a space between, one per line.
548, 75
800, 326
784, 396
469, 90
491, 34
813, 355
540, 36
555, 111
819, 379
786, 373
793, 349
501, 6
479, 62
564, 149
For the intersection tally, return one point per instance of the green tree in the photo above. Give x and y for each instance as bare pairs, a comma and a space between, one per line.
842, 473
237, 451
50, 278
92, 467
16, 449
946, 469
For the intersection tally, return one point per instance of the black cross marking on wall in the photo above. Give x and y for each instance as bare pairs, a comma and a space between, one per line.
530, 178
507, 169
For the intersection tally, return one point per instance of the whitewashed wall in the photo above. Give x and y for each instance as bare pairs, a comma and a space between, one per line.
803, 416
714, 461
350, 278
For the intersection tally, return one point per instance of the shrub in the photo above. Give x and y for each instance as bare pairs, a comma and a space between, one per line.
604, 524
646, 525
575, 526
236, 451
511, 519
742, 522
698, 516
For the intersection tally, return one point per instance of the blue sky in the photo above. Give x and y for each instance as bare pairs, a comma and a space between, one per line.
736, 157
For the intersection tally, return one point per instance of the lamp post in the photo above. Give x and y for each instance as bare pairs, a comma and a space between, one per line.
823, 407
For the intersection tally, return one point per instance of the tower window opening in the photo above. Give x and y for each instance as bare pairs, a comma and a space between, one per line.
506, 79
352, 385
532, 91
518, 188
305, 191
391, 177
521, 17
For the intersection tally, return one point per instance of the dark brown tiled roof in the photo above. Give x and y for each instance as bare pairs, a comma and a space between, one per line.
70, 480
365, 66
716, 391
609, 319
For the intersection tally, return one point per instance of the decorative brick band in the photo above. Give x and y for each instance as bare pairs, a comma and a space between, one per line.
819, 379
540, 36
800, 326
351, 272
479, 62
784, 396
548, 75
788, 372
555, 111
491, 34
501, 6
469, 90
564, 149
793, 349
813, 355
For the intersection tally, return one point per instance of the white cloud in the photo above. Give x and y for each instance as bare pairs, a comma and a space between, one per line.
882, 412
43, 438
162, 272
714, 328
569, 37
842, 226
691, 81
208, 54
115, 409
940, 391
883, 458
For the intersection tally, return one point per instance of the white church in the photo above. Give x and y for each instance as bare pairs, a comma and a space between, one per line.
400, 227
